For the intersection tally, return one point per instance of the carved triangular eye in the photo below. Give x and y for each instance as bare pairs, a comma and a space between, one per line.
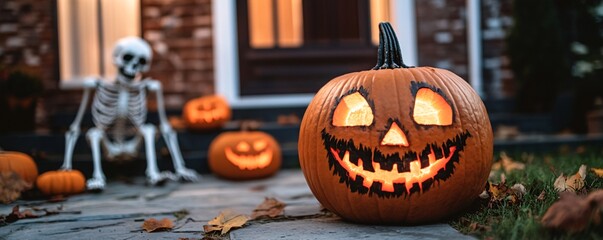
353, 110
431, 108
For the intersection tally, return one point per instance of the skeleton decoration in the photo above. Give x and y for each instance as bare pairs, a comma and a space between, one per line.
119, 112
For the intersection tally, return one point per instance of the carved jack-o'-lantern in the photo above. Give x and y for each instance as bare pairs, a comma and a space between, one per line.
244, 155
396, 144
206, 112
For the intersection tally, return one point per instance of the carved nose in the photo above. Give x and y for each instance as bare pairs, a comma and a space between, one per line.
394, 137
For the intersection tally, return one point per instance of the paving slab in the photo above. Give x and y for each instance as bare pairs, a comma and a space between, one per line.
119, 211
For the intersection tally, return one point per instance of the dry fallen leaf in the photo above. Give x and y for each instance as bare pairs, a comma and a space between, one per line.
509, 165
541, 196
11, 186
154, 225
498, 193
573, 213
16, 215
596, 199
270, 208
572, 183
598, 172
225, 221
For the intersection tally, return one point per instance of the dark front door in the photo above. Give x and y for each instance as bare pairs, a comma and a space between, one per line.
296, 46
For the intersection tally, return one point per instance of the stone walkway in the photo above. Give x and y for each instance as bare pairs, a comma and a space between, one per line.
119, 211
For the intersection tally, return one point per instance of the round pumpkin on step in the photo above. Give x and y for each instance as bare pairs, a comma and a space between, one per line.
206, 112
20, 163
396, 144
244, 155
61, 182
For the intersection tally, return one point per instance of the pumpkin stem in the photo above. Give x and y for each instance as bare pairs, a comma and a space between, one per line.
389, 55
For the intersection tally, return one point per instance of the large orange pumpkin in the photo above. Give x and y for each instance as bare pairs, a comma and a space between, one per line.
396, 144
20, 163
61, 182
243, 155
206, 112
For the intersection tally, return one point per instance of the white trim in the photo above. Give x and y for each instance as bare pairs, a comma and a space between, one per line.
474, 45
226, 64
404, 23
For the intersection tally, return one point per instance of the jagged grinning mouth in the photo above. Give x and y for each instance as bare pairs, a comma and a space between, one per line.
249, 161
388, 178
209, 116
367, 170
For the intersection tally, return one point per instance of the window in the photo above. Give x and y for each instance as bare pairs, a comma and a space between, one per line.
87, 32
296, 46
271, 59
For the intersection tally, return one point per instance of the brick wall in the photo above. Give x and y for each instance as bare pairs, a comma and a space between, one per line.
496, 22
180, 32
442, 35
442, 41
28, 43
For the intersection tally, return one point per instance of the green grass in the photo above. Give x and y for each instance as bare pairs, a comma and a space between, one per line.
522, 220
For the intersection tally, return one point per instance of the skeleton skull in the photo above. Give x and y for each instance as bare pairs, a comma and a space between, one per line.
132, 55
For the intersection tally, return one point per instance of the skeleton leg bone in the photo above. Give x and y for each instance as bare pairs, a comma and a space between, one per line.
70, 140
169, 136
171, 140
97, 182
74, 130
154, 177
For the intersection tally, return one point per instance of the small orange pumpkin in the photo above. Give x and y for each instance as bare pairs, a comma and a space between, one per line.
244, 155
61, 182
20, 163
206, 112
396, 144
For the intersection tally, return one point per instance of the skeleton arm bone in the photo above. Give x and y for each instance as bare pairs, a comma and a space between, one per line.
169, 135
74, 129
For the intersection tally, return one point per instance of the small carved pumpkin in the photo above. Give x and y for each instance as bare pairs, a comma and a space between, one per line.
206, 112
244, 155
396, 144
20, 163
61, 182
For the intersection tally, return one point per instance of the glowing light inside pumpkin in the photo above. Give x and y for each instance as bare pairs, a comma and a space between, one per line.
353, 110
389, 178
243, 147
431, 108
395, 137
259, 145
208, 113
249, 161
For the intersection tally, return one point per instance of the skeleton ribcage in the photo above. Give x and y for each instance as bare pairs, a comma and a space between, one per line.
112, 102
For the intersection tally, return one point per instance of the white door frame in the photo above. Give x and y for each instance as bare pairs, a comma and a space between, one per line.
226, 60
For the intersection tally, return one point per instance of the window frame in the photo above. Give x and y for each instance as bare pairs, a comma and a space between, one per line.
65, 28
225, 42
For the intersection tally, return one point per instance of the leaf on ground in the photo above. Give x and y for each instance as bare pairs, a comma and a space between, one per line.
154, 225
509, 165
498, 193
541, 196
596, 199
11, 186
573, 183
476, 227
598, 172
15, 215
270, 208
225, 221
573, 213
